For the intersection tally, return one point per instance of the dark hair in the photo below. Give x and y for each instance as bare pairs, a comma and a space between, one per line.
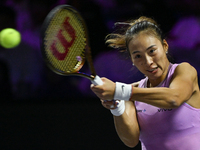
142, 24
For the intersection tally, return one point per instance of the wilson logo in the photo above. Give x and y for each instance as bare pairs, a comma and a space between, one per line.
163, 110
70, 30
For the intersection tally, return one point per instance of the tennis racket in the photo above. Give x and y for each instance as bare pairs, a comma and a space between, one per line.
65, 44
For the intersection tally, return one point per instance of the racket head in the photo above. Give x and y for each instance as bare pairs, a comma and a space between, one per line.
64, 41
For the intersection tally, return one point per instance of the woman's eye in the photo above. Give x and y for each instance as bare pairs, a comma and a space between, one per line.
152, 50
137, 56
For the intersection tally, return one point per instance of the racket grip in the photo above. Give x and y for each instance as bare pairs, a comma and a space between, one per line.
97, 81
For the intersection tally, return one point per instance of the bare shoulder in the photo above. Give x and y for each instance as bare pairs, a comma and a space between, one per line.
184, 72
188, 74
186, 68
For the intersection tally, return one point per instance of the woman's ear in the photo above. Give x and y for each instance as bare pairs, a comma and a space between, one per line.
165, 46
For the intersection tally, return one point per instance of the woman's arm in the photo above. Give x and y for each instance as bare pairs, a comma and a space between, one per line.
180, 90
126, 122
127, 125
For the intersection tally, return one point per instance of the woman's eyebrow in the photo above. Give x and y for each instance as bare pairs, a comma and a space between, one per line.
136, 51
150, 47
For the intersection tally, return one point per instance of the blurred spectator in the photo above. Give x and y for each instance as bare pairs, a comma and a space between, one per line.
23, 62
30, 16
185, 34
123, 10
25, 70
185, 38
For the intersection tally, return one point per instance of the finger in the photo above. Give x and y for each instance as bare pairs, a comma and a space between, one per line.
92, 85
114, 105
96, 89
110, 104
107, 104
95, 86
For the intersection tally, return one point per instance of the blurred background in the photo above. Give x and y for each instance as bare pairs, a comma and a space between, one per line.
42, 110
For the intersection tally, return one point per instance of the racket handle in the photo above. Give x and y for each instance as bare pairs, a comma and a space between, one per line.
97, 81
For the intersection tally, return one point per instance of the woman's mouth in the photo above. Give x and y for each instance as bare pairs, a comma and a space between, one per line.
153, 70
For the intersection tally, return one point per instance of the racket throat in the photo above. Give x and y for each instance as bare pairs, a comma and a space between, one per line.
90, 77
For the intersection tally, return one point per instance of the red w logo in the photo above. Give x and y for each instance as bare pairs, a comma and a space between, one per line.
64, 42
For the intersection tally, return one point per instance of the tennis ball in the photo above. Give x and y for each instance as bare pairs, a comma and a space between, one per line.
10, 38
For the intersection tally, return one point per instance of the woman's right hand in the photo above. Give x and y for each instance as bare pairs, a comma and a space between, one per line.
109, 104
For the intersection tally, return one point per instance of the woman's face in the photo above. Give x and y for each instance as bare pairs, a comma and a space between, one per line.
148, 54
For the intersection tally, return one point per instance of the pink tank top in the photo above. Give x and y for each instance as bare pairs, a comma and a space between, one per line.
168, 129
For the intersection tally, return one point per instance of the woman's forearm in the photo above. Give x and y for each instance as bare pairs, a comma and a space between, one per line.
159, 97
127, 127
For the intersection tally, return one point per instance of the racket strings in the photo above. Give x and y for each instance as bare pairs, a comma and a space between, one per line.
65, 42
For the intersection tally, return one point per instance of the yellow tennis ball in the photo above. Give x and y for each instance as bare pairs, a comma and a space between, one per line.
10, 38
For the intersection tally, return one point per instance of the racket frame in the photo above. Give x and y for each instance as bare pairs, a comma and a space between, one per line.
87, 52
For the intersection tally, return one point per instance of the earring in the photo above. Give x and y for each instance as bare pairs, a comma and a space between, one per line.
133, 64
166, 52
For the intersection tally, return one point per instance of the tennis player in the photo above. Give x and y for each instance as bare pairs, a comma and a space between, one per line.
163, 109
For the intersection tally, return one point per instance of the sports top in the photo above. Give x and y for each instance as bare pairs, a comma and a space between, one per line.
168, 129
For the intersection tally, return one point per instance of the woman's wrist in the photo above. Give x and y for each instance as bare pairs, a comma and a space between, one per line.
123, 91
119, 110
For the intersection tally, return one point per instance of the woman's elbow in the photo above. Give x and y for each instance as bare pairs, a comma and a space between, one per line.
175, 101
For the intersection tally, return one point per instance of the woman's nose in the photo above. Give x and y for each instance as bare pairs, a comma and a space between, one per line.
149, 60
